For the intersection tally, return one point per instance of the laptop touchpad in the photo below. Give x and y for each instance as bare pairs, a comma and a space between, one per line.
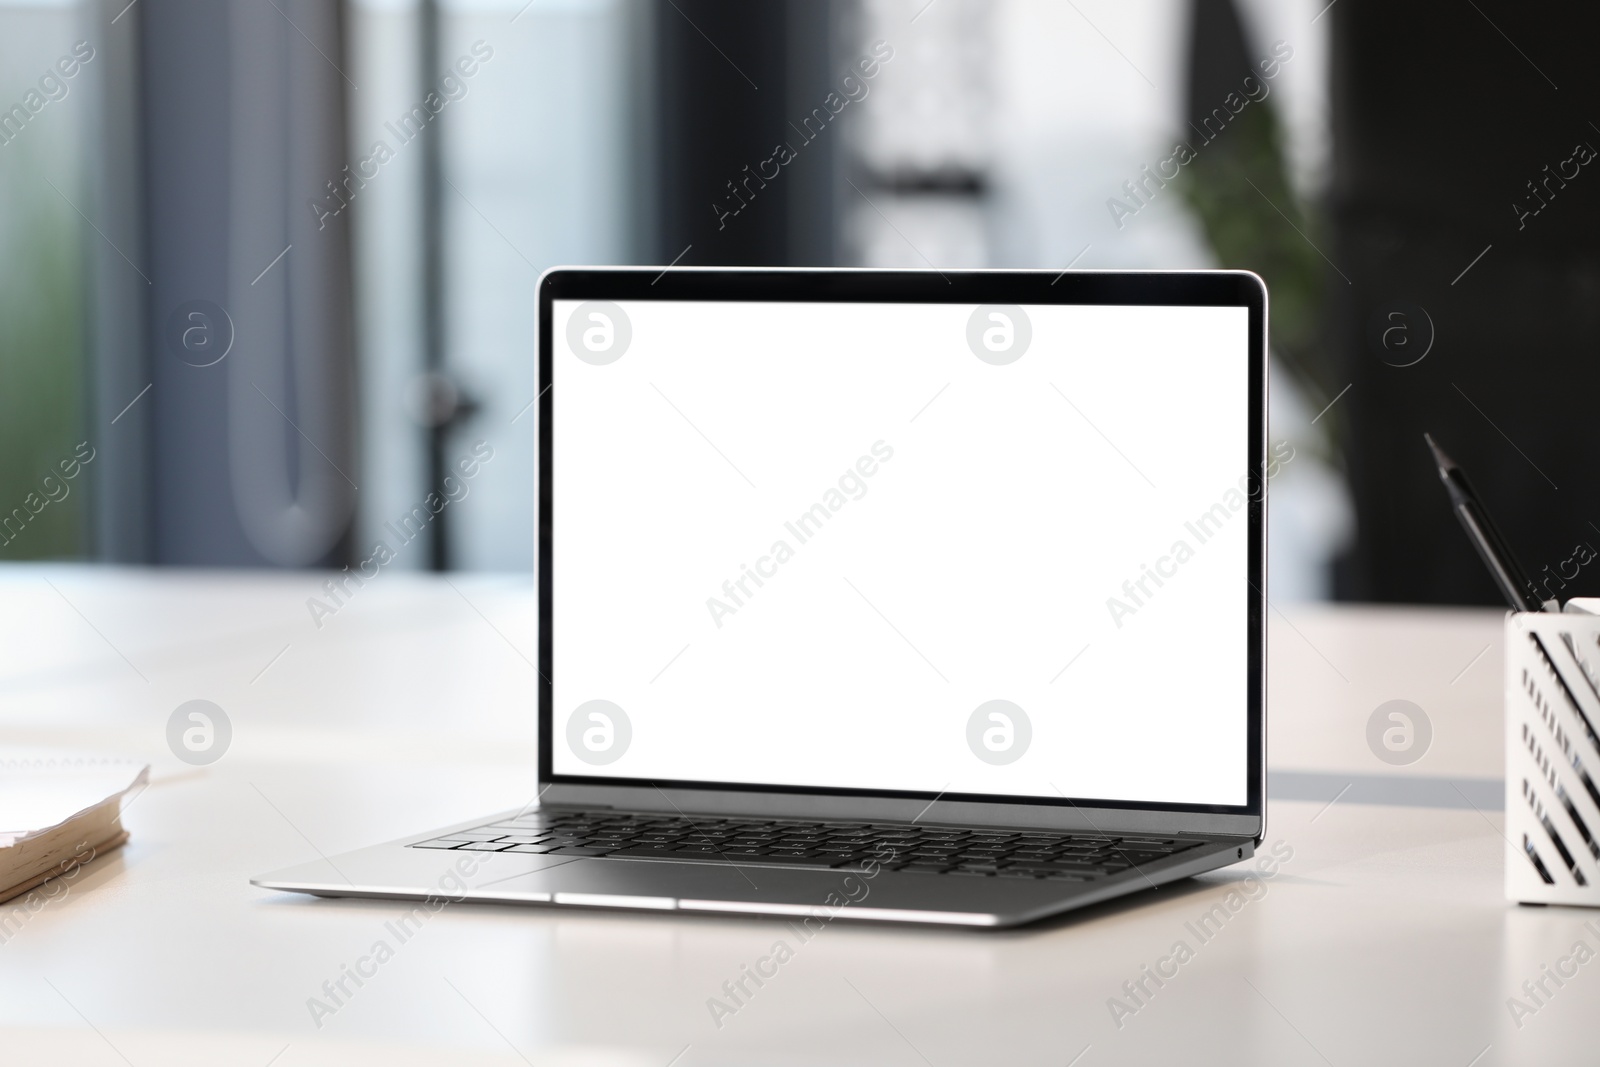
660, 884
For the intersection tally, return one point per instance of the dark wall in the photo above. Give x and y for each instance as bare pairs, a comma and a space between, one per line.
1441, 119
735, 80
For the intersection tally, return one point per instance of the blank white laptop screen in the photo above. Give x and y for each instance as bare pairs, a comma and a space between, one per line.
871, 546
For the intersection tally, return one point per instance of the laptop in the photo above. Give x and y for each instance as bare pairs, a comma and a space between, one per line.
905, 596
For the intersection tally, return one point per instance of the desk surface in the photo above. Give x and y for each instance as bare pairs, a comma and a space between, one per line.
1384, 937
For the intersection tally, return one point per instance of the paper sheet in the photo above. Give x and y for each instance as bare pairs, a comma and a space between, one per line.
43, 788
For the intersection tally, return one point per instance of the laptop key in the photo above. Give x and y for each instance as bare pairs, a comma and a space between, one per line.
458, 839
475, 835
577, 850
647, 852
819, 862
1075, 868
483, 846
438, 844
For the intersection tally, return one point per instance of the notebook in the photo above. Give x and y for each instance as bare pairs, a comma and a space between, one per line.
60, 810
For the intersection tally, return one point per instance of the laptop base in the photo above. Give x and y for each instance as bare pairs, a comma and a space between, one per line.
865, 893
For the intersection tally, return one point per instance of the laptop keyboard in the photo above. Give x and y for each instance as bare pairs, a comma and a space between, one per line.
1072, 857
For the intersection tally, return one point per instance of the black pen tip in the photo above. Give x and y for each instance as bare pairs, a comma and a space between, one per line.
1446, 464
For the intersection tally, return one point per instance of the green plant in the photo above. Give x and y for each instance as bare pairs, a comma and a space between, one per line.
1238, 187
42, 307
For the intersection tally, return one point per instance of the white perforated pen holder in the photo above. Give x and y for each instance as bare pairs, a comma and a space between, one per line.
1553, 758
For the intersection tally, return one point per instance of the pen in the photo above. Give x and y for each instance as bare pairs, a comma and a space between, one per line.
1486, 537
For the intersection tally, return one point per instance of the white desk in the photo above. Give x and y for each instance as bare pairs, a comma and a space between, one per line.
1383, 940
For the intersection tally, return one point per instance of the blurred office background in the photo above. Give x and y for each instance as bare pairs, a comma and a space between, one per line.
267, 266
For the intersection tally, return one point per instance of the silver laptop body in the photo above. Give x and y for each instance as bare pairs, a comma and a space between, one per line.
1147, 748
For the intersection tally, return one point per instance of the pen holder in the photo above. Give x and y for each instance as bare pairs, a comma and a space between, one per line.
1552, 712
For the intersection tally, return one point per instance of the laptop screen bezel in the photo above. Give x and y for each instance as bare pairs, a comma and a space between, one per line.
805, 285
